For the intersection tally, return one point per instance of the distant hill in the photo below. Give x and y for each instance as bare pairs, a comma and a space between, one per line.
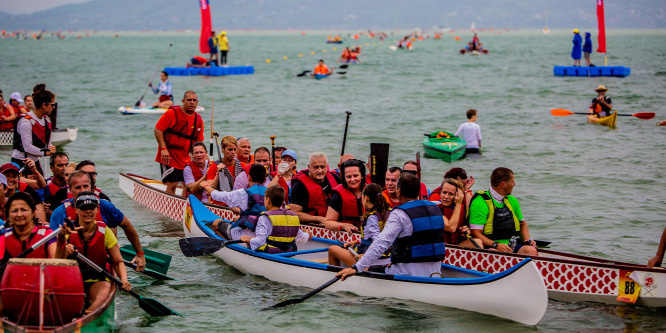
326, 14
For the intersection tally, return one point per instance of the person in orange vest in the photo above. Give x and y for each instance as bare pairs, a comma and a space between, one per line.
322, 68
7, 115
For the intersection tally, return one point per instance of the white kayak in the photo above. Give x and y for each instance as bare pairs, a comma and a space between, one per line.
138, 110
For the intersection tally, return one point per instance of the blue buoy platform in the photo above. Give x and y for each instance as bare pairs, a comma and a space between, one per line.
210, 71
618, 71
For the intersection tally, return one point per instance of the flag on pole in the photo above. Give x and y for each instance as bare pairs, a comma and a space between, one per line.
205, 26
602, 27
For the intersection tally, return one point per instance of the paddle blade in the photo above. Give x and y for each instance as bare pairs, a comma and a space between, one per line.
199, 246
156, 261
343, 66
644, 115
155, 308
542, 244
283, 304
560, 112
138, 103
341, 73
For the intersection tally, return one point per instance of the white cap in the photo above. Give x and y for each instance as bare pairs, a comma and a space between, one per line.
16, 96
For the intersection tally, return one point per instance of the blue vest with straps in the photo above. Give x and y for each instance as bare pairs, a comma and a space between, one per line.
255, 206
426, 243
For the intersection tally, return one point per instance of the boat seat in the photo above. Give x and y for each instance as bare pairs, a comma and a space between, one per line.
320, 261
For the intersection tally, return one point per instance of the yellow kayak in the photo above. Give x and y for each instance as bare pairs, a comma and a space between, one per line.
609, 121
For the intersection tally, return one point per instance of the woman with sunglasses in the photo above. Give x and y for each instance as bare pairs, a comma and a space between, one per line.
32, 132
345, 207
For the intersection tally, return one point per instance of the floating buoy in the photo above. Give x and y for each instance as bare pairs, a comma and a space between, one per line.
335, 49
268, 61
285, 58
456, 37
312, 52
300, 55
355, 36
323, 51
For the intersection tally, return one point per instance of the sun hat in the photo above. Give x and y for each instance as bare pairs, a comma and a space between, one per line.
576, 31
16, 96
601, 87
291, 153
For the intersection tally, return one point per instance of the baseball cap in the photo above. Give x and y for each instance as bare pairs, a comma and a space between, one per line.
16, 96
291, 153
9, 166
86, 199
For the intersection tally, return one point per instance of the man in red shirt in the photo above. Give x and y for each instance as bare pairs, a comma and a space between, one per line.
176, 131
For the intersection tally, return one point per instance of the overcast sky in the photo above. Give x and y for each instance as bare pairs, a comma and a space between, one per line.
31, 6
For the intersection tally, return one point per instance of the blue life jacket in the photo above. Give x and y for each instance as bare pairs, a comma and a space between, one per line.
426, 243
255, 206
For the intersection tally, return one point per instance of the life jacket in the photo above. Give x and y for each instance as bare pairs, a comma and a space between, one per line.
41, 135
285, 229
21, 186
52, 188
93, 249
196, 172
70, 212
321, 69
255, 206
426, 243
352, 209
178, 136
201, 60
502, 223
364, 244
318, 200
454, 237
6, 125
14, 247
388, 199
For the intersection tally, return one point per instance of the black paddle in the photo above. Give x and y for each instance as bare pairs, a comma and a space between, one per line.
201, 246
273, 151
304, 297
304, 73
379, 155
138, 103
151, 306
344, 138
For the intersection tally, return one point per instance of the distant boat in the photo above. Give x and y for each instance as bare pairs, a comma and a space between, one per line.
545, 30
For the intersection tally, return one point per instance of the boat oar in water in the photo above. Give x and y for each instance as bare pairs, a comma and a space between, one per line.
138, 103
155, 261
151, 306
201, 246
304, 73
152, 274
564, 113
304, 297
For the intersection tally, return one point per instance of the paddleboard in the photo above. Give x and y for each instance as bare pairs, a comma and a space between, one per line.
135, 110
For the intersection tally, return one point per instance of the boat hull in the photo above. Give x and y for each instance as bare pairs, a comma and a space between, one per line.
609, 121
446, 149
135, 110
568, 277
472, 291
59, 137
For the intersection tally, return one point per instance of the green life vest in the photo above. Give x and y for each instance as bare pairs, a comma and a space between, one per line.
502, 223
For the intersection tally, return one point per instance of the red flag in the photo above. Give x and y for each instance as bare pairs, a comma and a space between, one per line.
602, 27
205, 26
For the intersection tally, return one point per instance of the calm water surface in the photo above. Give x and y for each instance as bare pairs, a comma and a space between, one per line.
588, 189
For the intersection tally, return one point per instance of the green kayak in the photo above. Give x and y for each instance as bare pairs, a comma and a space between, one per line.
446, 147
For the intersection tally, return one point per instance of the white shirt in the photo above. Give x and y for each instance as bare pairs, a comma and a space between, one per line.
236, 198
188, 178
242, 181
397, 226
471, 133
265, 228
24, 127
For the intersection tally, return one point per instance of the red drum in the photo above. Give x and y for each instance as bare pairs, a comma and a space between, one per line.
63, 291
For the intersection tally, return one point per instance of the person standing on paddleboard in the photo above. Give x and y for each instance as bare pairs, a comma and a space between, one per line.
178, 129
601, 105
164, 89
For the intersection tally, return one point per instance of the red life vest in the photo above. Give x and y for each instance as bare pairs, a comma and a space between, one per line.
318, 200
177, 136
350, 212
388, 199
52, 188
41, 135
196, 172
71, 212
436, 194
97, 192
93, 249
6, 125
14, 247
22, 186
454, 237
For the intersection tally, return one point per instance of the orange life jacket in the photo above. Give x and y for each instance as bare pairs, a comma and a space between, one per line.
321, 69
178, 136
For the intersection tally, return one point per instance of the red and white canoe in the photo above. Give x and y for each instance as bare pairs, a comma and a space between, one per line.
568, 277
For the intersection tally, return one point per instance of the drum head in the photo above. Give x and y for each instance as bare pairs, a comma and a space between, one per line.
42, 261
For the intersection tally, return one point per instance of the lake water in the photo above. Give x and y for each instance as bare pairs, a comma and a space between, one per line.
589, 189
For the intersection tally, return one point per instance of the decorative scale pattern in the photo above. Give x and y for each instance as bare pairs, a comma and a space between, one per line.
167, 205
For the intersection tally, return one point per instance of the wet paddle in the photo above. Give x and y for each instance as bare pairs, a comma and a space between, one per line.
155, 261
304, 297
138, 103
344, 138
201, 246
151, 306
564, 113
304, 73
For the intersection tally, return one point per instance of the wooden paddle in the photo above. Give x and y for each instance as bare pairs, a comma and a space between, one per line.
304, 297
222, 181
151, 306
201, 246
564, 113
138, 103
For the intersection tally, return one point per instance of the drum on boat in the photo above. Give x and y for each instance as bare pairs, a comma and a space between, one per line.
63, 291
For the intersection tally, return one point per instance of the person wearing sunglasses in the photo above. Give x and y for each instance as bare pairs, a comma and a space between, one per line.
32, 131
